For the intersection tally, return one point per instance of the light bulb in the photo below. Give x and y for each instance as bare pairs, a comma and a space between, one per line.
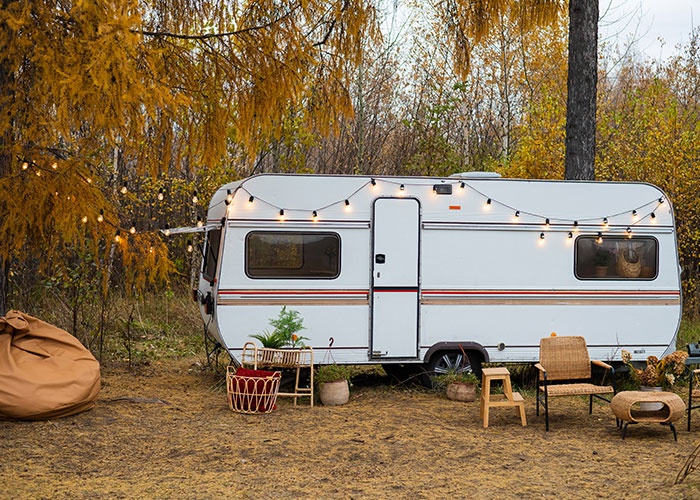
166, 231
190, 248
25, 165
124, 189
54, 165
161, 195
101, 217
132, 229
194, 198
281, 217
117, 238
199, 222
314, 215
487, 205
251, 200
575, 226
347, 205
635, 216
599, 239
38, 173
84, 219
653, 218
629, 232
546, 222
541, 240
229, 196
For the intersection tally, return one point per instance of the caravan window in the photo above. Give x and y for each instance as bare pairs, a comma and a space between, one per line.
616, 258
211, 254
277, 254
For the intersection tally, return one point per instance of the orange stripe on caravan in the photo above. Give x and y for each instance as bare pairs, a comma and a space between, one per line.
553, 292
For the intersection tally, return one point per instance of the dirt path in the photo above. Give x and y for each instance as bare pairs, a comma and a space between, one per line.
165, 432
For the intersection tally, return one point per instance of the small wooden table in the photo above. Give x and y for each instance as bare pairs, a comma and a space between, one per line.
508, 398
672, 409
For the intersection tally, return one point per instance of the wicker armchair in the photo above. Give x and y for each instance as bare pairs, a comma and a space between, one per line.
565, 370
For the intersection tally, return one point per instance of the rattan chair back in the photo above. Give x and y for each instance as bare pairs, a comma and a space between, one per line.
565, 358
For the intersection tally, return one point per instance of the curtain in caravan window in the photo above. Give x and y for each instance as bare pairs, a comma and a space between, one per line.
211, 254
616, 258
278, 254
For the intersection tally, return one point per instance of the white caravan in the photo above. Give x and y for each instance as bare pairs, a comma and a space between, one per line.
405, 270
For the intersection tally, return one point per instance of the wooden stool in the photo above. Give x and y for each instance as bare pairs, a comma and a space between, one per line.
508, 398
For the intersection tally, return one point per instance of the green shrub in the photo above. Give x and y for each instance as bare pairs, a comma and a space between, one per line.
332, 373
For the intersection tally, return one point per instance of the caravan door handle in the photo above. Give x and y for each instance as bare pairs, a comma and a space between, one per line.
380, 258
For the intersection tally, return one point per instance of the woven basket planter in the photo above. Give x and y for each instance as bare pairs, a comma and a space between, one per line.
252, 391
461, 392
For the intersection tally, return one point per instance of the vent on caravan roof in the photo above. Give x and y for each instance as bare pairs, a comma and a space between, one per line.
476, 175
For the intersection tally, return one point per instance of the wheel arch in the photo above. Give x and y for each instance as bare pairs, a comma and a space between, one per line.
454, 346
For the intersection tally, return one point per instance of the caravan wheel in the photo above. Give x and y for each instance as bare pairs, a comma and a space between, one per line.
445, 361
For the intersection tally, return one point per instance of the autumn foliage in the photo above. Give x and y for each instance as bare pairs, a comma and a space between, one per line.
173, 97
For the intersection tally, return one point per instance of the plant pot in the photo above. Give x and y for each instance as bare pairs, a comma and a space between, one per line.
461, 392
334, 393
650, 406
601, 271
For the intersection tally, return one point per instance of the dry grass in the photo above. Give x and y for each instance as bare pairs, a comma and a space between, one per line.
165, 431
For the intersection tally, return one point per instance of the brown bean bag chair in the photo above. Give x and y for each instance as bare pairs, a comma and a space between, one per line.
44, 371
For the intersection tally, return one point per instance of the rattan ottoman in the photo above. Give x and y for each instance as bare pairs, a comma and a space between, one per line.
622, 405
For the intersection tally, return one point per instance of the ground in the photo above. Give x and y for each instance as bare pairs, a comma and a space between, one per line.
165, 431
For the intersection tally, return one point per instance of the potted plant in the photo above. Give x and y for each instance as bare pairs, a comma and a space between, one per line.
657, 375
333, 387
601, 261
285, 334
459, 386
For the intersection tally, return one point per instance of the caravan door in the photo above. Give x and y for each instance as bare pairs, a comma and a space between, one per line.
395, 278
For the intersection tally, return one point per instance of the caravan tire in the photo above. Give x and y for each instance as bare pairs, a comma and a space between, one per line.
444, 361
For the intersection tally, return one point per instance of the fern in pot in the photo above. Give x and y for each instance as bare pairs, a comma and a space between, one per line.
333, 386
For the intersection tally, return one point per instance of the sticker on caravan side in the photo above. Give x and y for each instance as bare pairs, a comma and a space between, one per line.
455, 207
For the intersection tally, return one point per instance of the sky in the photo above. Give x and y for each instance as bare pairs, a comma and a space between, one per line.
647, 21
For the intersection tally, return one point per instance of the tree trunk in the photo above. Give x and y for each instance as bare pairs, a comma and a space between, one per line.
582, 81
6, 78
